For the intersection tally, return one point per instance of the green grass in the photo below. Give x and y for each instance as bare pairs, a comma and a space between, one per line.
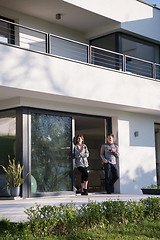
145, 230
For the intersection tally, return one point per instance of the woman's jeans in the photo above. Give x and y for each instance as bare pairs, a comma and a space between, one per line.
110, 170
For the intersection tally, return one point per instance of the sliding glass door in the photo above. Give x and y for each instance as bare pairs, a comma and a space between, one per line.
51, 153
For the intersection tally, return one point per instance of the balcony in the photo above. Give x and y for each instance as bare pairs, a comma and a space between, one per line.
35, 40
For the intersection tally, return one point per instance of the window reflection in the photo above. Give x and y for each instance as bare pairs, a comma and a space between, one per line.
7, 136
51, 164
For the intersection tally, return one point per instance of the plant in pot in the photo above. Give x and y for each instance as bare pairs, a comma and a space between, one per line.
14, 177
153, 189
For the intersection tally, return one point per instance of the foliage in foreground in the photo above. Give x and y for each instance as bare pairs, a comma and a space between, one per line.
152, 186
13, 174
143, 231
106, 220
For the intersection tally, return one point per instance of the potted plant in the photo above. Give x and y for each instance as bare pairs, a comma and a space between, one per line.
14, 177
153, 189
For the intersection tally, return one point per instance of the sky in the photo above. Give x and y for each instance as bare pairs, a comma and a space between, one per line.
157, 2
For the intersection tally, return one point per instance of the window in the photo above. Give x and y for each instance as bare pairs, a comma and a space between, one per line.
100, 54
107, 42
139, 48
7, 136
51, 159
7, 32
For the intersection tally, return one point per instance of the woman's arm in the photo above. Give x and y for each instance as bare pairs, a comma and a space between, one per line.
77, 152
85, 152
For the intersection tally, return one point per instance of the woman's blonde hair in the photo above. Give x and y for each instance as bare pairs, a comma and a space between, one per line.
81, 136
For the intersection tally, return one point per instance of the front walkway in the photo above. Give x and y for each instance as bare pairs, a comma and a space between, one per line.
14, 209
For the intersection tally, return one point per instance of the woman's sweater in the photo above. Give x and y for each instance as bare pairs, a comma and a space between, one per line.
81, 155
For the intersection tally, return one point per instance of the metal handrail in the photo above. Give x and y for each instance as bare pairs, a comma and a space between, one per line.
139, 59
22, 26
105, 50
70, 40
100, 60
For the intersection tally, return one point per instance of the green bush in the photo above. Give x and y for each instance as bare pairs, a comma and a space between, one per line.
106, 220
14, 231
67, 219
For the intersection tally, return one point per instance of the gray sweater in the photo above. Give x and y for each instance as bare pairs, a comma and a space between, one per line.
106, 154
81, 156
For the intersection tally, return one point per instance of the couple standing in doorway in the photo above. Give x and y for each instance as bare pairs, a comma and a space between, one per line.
109, 154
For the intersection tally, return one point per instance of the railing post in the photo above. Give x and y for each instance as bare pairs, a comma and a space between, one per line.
89, 54
124, 63
48, 43
154, 70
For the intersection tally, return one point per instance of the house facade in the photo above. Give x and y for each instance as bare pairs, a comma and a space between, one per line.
70, 67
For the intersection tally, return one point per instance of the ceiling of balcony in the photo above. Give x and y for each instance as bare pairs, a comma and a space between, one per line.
14, 97
72, 16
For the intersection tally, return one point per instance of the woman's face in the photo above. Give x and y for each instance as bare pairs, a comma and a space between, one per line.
79, 140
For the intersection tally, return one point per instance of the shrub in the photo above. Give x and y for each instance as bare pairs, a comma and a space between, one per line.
62, 220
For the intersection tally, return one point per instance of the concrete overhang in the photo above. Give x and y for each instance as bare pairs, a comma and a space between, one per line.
14, 97
72, 16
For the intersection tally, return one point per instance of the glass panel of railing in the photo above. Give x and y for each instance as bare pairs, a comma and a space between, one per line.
32, 39
69, 49
22, 36
157, 67
139, 67
106, 58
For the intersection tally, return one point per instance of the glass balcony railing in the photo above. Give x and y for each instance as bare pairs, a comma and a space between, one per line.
32, 39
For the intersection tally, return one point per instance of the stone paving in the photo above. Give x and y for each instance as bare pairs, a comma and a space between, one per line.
13, 209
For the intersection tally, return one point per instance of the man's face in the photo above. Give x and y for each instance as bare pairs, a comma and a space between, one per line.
110, 139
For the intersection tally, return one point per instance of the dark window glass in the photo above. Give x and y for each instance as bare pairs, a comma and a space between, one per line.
107, 42
136, 50
102, 57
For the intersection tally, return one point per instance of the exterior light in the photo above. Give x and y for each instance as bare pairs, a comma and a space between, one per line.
58, 16
136, 133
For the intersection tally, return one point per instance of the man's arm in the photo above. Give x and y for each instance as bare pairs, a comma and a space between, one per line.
116, 151
102, 154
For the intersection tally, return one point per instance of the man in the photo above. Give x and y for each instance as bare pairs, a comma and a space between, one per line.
109, 154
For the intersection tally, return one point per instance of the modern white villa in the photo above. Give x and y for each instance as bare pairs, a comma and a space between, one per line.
70, 67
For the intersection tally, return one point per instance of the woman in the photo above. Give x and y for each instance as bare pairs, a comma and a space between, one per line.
81, 155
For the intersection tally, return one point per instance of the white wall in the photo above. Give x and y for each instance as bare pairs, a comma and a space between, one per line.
137, 163
47, 74
86, 89
137, 154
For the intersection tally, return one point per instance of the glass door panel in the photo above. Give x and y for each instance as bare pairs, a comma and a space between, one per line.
7, 144
7, 137
51, 158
